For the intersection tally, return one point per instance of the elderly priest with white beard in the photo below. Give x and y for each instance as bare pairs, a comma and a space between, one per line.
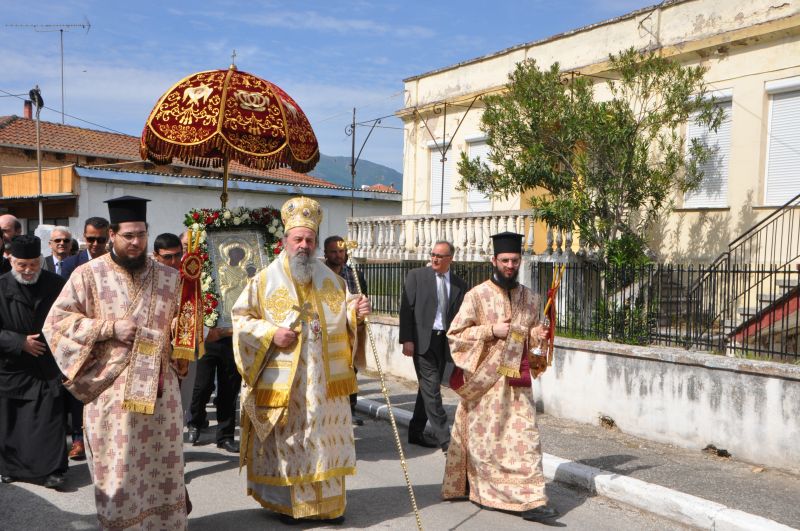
32, 431
294, 334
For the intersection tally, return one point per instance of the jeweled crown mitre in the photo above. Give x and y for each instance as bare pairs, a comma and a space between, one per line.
301, 212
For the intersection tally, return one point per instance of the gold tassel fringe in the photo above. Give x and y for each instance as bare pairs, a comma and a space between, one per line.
342, 387
183, 353
508, 371
139, 407
272, 398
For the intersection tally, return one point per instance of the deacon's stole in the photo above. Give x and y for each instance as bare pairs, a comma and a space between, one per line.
270, 301
80, 329
474, 348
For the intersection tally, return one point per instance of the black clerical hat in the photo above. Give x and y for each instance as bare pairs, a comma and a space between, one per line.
26, 247
507, 242
127, 208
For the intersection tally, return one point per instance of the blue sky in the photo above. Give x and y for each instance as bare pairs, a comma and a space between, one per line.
330, 56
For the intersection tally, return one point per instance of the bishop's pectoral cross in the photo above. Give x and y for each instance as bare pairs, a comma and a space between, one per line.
305, 314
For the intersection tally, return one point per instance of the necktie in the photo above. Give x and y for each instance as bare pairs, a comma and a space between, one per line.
58, 268
442, 296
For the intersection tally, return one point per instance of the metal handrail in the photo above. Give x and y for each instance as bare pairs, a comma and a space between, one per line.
724, 262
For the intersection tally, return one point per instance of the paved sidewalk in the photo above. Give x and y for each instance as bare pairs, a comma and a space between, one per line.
642, 469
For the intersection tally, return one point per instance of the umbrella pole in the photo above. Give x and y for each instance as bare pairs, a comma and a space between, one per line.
224, 196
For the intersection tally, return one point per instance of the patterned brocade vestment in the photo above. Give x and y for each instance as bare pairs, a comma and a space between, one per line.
136, 458
495, 457
297, 435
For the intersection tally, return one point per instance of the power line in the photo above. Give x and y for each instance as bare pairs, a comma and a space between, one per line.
347, 113
19, 96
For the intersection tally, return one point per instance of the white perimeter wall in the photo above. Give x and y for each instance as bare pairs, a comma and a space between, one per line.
669, 395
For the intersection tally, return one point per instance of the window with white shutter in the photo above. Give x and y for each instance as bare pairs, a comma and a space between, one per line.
441, 190
476, 201
783, 148
713, 190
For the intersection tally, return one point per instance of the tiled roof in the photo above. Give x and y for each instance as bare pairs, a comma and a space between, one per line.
382, 188
58, 138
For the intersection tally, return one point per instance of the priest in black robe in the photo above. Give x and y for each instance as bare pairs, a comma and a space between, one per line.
32, 431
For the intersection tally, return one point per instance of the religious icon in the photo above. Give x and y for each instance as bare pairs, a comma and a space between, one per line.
236, 256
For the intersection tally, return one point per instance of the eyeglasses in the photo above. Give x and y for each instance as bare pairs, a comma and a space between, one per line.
98, 239
61, 240
170, 256
441, 256
130, 236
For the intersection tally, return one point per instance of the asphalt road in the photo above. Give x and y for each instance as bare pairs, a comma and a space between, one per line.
377, 497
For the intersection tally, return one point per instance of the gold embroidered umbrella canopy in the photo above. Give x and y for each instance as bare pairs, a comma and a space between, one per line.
215, 117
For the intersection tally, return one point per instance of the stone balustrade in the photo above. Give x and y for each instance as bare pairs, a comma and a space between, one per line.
412, 237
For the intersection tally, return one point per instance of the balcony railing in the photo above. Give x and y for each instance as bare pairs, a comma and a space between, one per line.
412, 237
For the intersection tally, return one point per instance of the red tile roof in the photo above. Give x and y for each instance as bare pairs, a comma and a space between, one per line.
58, 138
382, 188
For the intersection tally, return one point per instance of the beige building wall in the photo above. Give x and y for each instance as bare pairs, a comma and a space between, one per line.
745, 44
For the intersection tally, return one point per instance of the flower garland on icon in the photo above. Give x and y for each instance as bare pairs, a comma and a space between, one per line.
203, 219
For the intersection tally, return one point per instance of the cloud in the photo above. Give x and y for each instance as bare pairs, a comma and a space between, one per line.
315, 21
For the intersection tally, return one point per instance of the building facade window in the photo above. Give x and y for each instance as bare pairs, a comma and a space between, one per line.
783, 148
476, 201
713, 190
441, 189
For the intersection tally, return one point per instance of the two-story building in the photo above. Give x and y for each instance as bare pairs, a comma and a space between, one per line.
751, 50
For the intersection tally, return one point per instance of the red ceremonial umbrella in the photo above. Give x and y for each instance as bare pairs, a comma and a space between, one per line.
210, 118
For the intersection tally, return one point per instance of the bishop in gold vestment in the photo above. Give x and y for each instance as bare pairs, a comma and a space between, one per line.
110, 335
294, 335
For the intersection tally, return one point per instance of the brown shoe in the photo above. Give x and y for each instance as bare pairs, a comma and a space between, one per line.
78, 451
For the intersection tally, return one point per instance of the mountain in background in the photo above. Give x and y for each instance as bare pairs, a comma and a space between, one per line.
337, 171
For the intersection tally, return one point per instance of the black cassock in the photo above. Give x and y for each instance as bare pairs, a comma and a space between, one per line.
32, 431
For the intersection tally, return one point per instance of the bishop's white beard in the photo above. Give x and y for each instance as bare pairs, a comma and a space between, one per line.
18, 277
301, 267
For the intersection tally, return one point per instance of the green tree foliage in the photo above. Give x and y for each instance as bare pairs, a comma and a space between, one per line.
607, 153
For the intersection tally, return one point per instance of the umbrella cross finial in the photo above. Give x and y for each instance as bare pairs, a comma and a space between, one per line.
233, 59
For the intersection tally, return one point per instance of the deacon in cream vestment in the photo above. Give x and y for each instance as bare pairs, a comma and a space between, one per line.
110, 335
294, 335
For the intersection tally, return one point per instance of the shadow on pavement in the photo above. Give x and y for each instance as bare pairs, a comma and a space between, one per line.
614, 463
25, 510
77, 476
223, 463
366, 508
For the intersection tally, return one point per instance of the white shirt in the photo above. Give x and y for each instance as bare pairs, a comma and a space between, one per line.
440, 322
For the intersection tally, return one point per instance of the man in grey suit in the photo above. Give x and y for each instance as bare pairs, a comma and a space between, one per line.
60, 247
431, 298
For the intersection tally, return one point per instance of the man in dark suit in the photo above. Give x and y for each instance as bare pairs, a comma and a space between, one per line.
60, 245
431, 298
95, 233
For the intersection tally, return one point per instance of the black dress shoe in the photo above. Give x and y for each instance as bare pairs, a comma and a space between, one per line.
194, 435
229, 445
422, 439
7, 479
357, 421
53, 481
540, 514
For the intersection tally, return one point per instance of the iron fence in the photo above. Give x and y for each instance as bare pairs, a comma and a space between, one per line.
385, 280
745, 311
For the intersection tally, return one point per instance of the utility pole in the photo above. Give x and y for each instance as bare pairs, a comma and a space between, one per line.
60, 28
36, 97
